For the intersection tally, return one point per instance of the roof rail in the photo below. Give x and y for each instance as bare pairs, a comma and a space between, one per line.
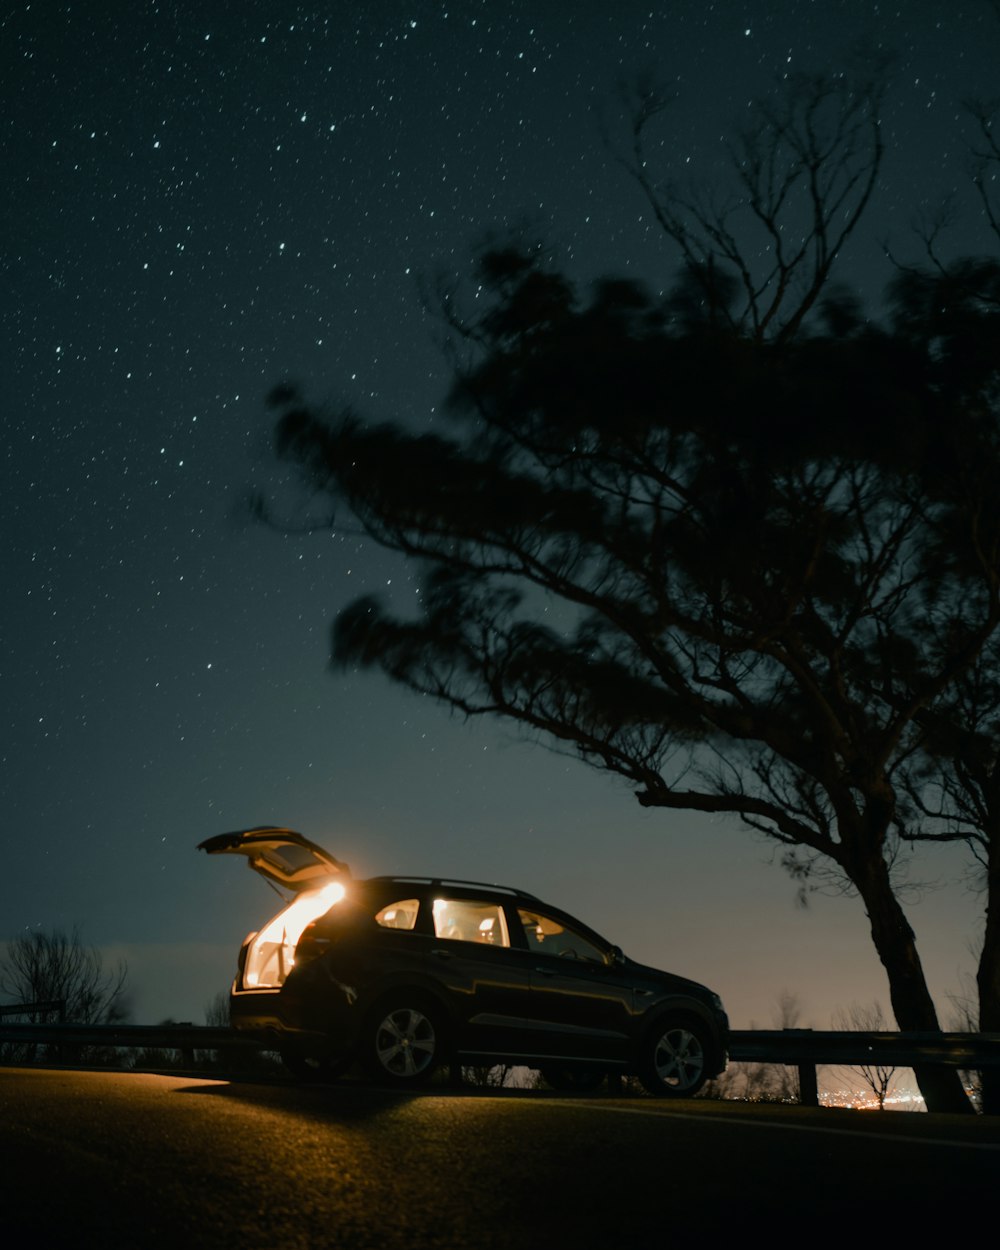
442, 881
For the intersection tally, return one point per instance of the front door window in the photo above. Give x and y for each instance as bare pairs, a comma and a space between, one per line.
549, 936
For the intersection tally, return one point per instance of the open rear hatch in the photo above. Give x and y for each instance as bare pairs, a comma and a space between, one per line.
285, 858
281, 855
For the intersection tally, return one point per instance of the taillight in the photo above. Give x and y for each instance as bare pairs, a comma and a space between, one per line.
241, 961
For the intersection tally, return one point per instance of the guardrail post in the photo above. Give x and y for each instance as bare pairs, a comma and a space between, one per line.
187, 1052
808, 1086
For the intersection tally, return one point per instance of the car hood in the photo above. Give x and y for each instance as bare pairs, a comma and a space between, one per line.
281, 855
671, 980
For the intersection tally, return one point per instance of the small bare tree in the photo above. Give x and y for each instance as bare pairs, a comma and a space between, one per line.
54, 966
880, 1078
217, 1010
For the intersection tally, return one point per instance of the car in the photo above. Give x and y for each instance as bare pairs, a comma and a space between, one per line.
403, 974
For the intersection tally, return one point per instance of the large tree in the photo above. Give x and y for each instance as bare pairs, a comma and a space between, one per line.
734, 545
952, 779
953, 784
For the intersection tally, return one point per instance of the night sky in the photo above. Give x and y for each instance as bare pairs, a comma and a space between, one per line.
203, 200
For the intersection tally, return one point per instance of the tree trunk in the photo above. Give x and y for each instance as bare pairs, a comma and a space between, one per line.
988, 977
912, 1004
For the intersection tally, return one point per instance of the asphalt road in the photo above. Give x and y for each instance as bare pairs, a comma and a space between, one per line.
98, 1159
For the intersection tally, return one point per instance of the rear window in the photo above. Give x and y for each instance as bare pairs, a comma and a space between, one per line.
399, 915
290, 859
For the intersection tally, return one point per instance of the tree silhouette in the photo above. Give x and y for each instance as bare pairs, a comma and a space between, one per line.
56, 966
737, 558
953, 784
758, 256
953, 779
860, 1018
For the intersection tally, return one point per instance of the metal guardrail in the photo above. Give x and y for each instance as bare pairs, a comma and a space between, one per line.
888, 1050
802, 1048
135, 1036
806, 1049
68, 1039
49, 1007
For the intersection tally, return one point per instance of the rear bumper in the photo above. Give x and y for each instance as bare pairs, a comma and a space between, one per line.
286, 1021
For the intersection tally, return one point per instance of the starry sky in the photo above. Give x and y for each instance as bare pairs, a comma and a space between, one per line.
203, 200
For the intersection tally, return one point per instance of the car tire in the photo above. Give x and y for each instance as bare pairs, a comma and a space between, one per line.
570, 1080
403, 1041
673, 1059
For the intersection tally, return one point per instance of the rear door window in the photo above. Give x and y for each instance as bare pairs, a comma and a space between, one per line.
469, 920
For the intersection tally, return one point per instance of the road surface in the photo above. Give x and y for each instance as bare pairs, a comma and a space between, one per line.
138, 1160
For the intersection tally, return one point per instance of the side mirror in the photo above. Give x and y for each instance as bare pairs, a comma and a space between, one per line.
616, 957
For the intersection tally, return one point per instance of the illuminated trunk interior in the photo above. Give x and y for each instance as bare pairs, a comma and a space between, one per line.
271, 955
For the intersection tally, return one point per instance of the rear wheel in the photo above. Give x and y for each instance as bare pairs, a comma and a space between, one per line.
403, 1041
673, 1062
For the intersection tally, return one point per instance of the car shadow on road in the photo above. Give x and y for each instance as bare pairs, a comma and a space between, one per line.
352, 1100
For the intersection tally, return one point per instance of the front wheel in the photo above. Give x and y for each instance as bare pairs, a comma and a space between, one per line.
403, 1042
673, 1062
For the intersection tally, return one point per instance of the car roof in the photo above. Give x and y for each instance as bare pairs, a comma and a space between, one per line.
432, 882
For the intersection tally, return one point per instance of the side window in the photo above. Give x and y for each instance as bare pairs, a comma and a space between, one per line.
401, 915
551, 937
465, 920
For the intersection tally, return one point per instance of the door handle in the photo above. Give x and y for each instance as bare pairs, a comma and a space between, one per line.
546, 972
443, 954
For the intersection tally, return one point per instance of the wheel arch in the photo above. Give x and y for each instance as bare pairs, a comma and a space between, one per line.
422, 989
683, 1010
